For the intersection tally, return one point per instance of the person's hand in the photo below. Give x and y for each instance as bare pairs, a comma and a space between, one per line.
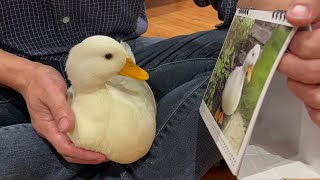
302, 63
51, 116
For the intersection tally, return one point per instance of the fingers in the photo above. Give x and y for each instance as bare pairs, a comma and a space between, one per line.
67, 149
305, 71
302, 64
50, 112
305, 44
60, 110
310, 94
303, 12
80, 161
314, 115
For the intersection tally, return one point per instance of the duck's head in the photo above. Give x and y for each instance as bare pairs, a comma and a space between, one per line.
98, 58
251, 59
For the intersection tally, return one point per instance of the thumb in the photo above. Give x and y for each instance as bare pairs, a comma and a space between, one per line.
304, 12
62, 113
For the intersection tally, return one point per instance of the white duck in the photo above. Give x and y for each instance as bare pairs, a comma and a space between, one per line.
115, 115
233, 88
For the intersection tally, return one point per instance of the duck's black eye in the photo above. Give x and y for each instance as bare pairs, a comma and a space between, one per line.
108, 56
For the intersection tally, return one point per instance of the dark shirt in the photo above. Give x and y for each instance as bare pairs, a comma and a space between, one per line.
47, 29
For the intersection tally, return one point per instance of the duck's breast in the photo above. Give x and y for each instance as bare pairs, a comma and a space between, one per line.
92, 116
232, 91
120, 124
133, 123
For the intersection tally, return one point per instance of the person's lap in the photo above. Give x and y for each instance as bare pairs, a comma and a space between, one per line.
179, 69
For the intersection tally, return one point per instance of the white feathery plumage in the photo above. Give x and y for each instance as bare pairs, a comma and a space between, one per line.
115, 114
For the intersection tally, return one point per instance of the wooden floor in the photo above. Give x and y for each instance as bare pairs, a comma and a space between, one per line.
168, 18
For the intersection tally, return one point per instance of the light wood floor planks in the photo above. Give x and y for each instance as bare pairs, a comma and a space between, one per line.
169, 18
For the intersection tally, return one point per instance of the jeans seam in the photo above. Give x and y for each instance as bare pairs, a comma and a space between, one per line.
62, 170
7, 100
180, 61
166, 122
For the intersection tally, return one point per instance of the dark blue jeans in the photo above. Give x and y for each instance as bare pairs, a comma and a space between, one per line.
179, 70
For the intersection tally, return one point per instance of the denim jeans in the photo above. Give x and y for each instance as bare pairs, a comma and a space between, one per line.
179, 70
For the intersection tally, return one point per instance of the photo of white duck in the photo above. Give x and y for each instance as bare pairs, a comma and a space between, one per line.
114, 107
233, 87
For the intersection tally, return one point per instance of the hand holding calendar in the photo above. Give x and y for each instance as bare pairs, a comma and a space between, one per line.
258, 43
302, 63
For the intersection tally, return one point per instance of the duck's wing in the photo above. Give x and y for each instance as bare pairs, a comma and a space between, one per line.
133, 87
151, 97
127, 47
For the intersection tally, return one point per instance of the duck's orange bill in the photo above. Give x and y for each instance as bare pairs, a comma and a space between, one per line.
130, 69
249, 73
